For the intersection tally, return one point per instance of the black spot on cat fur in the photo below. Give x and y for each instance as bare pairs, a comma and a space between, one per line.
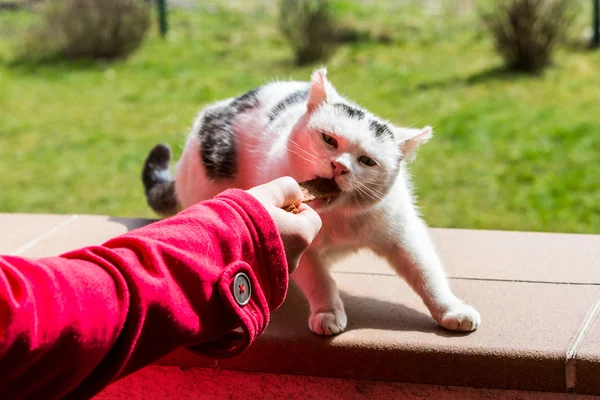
246, 102
297, 97
217, 141
380, 130
350, 111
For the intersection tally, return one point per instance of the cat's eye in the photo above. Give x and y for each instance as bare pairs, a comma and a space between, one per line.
329, 140
367, 161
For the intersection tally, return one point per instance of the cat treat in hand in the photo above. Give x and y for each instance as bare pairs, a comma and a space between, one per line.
315, 189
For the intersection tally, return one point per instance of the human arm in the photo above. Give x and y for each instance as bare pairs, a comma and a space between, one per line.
74, 323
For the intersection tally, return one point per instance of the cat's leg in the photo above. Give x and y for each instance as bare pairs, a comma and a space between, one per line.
327, 315
414, 257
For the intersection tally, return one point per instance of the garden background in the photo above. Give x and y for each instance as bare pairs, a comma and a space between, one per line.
511, 150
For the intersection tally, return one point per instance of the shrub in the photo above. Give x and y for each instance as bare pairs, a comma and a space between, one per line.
90, 29
526, 32
310, 28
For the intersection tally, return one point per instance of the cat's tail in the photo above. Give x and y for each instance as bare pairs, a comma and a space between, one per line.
159, 186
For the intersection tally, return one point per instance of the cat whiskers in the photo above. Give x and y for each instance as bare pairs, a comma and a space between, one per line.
312, 148
374, 184
312, 158
301, 156
369, 192
379, 194
364, 193
297, 146
352, 187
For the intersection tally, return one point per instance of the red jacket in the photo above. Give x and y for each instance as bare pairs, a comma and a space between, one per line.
70, 325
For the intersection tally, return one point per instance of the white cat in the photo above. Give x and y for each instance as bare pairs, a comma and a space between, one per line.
307, 130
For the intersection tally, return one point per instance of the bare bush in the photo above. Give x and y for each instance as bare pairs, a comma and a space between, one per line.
91, 29
526, 32
310, 28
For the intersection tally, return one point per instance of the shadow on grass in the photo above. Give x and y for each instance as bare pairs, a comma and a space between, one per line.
489, 75
54, 64
52, 70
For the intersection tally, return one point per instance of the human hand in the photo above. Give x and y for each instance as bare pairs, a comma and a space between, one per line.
297, 230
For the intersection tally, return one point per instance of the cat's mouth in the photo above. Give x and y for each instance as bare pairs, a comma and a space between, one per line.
320, 190
334, 191
327, 200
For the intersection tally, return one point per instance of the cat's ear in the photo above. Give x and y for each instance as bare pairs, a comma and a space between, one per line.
320, 90
412, 139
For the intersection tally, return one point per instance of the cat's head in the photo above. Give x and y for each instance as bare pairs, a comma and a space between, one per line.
338, 139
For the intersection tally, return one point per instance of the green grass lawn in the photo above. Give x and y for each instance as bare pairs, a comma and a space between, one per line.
510, 152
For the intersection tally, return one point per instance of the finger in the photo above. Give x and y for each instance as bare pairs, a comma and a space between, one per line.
284, 192
312, 217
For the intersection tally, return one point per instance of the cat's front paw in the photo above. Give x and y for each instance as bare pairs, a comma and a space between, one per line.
460, 317
328, 322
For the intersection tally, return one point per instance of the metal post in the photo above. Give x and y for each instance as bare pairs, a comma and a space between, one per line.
596, 32
162, 16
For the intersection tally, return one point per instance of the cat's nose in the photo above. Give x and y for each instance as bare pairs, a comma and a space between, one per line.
339, 168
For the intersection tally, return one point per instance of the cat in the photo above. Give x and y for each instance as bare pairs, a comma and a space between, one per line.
307, 130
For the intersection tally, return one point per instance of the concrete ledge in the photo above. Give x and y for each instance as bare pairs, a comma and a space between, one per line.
538, 294
202, 383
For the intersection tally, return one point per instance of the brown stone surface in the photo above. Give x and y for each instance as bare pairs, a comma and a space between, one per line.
157, 382
83, 230
18, 230
533, 291
547, 257
521, 344
587, 365
499, 255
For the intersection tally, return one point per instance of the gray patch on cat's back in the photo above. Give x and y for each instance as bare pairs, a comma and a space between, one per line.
297, 97
247, 101
381, 131
217, 140
350, 111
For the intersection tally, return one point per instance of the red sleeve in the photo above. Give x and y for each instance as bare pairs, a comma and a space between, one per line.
74, 323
